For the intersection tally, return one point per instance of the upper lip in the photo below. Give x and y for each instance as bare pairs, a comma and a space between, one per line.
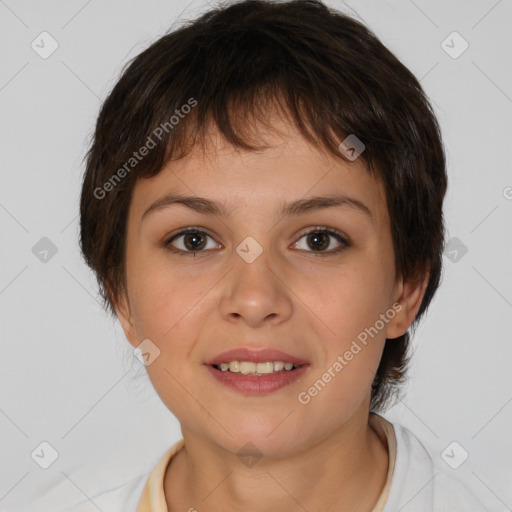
255, 356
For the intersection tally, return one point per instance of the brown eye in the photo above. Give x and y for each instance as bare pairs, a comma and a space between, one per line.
192, 241
319, 239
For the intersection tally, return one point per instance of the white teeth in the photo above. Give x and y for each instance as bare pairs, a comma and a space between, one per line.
249, 367
265, 367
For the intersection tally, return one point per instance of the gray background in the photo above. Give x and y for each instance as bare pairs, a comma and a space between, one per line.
67, 373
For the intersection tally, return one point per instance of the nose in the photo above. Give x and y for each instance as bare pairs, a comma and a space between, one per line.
256, 293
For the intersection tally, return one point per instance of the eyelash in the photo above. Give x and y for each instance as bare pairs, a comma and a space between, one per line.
318, 229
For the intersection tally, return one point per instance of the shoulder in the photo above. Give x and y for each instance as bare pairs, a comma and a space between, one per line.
129, 496
421, 483
450, 491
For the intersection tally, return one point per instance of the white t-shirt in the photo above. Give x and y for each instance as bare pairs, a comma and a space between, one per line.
416, 481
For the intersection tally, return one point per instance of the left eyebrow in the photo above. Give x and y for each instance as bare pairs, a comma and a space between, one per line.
318, 203
302, 206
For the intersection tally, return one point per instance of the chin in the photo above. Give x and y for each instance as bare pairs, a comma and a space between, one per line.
254, 440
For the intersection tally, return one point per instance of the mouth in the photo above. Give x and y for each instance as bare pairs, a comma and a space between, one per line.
254, 372
256, 369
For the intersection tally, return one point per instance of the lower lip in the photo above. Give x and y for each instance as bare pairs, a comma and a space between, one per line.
252, 385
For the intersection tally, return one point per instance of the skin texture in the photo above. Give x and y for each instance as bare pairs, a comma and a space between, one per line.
292, 298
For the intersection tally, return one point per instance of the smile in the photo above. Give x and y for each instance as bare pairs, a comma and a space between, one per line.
257, 369
255, 379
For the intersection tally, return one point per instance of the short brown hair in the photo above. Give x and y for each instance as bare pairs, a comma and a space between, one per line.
325, 70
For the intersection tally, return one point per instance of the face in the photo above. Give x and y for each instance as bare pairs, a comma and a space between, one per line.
307, 283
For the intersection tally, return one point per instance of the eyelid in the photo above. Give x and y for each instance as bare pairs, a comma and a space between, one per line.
166, 243
332, 232
325, 229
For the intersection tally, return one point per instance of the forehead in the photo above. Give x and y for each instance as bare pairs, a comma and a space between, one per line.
286, 170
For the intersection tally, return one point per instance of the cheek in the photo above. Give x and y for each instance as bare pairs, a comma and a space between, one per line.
349, 303
348, 300
165, 300
168, 312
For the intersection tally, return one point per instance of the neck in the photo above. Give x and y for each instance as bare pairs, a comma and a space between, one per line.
349, 467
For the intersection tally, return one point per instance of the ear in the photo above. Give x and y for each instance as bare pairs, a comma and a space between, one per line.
124, 313
409, 295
